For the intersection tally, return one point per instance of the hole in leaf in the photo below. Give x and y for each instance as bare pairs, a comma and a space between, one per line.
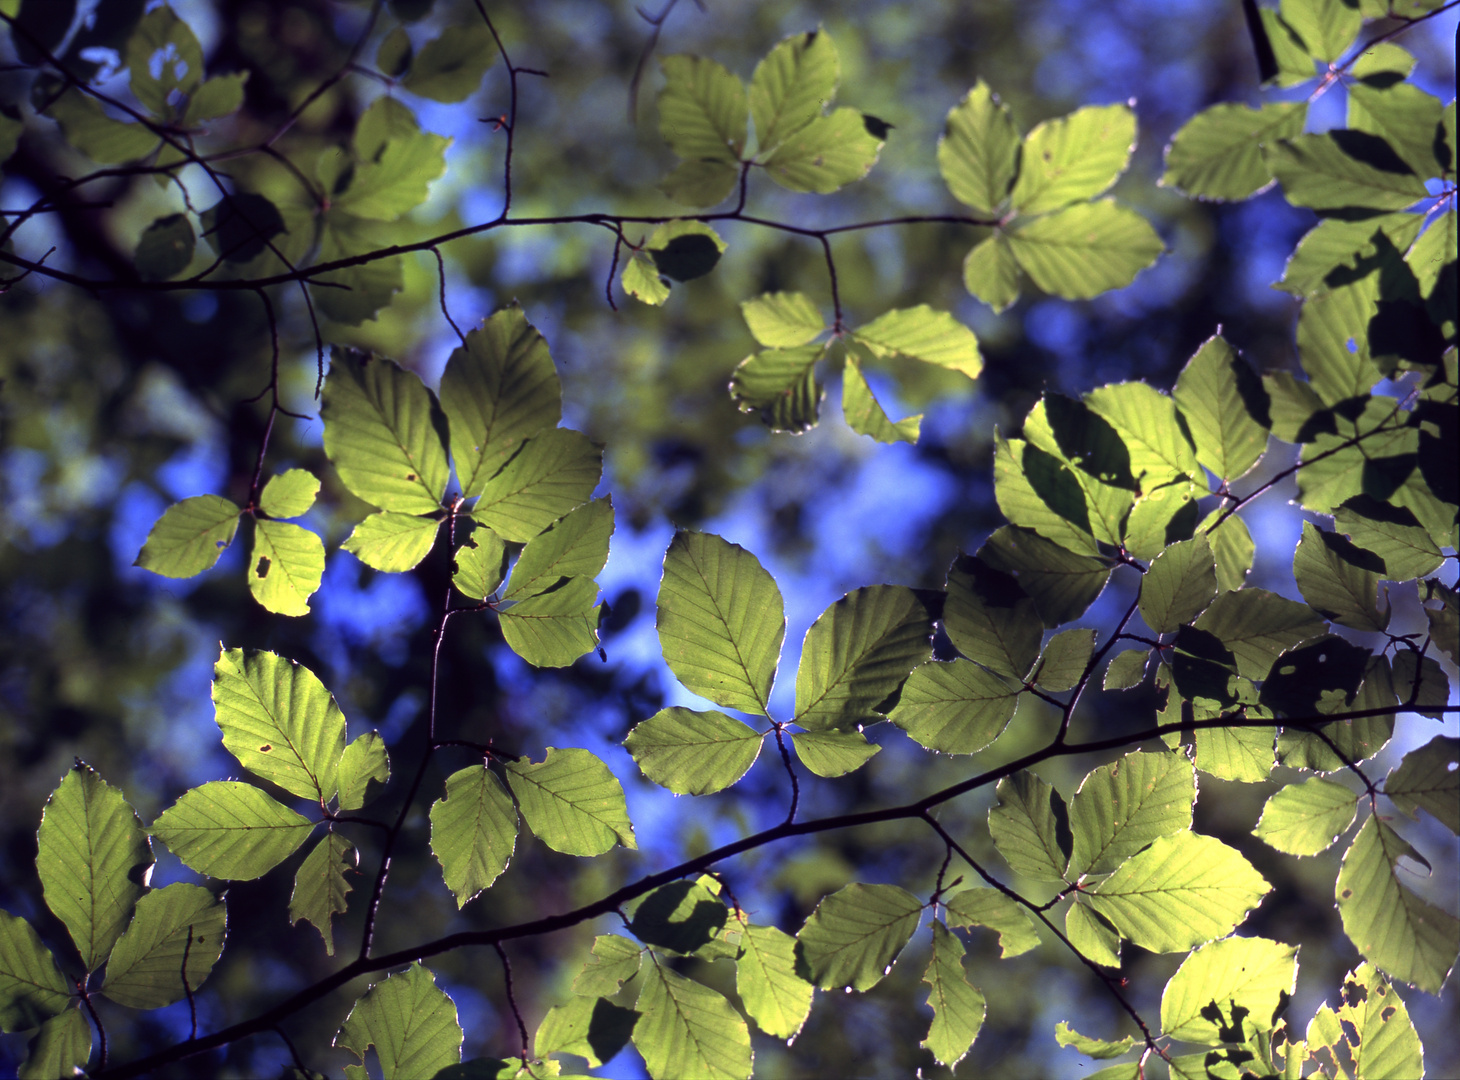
262, 570
265, 748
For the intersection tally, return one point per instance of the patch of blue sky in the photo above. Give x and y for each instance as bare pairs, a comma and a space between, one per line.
1263, 232
29, 520
380, 615
200, 468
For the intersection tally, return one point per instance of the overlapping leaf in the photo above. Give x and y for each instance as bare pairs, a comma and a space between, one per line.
855, 933
232, 830
958, 1007
409, 1021
473, 831
169, 949
693, 753
572, 802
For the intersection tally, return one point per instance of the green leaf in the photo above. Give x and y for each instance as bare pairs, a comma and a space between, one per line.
286, 566
365, 759
615, 961
93, 861
1343, 169
958, 1007
1294, 64
685, 249
554, 628
90, 130
1371, 1029
1099, 1049
991, 908
473, 831
1242, 755
1126, 669
1431, 254
450, 67
177, 925
1093, 452
1326, 27
1324, 674
232, 830
1427, 779
279, 721
1085, 249
1335, 251
857, 653
320, 888
1065, 659
991, 273
354, 294
1258, 626
1333, 342
572, 802
853, 936
777, 998
189, 536
1122, 807
781, 385
165, 248
395, 53
392, 542
1232, 547
1306, 818
791, 86
864, 413
921, 333
550, 474
396, 162
1404, 935
1445, 620
1061, 583
1092, 935
683, 916
61, 1047
32, 988
1182, 891
593, 1028
1036, 491
955, 708
1318, 690
1339, 580
1166, 515
477, 569
164, 57
1391, 532
686, 1029
498, 389
978, 154
1073, 158
783, 319
1030, 827
1149, 425
833, 753
289, 494
1229, 990
702, 110
1179, 585
409, 1020
825, 155
383, 431
1404, 116
1225, 408
721, 621
1217, 154
692, 183
989, 617
575, 546
693, 753
218, 97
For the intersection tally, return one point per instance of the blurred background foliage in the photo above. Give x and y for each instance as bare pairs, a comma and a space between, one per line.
114, 404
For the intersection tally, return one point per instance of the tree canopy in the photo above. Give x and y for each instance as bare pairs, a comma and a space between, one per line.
453, 632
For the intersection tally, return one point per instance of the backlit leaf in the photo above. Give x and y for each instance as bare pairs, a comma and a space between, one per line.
550, 474
1217, 154
1229, 989
364, 760
686, 1029
180, 921
450, 66
1340, 169
855, 933
572, 802
289, 494
777, 998
1074, 157
232, 830
320, 887
921, 333
396, 163
1062, 583
978, 154
473, 831
1427, 779
1092, 935
1306, 818
833, 753
826, 154
692, 183
32, 988
165, 248
1225, 408
1030, 827
1326, 27
575, 546
479, 564
991, 908
702, 109
956, 708
1096, 1048
1404, 116
61, 1047
990, 619
1085, 249
1122, 807
1179, 585
285, 567
781, 385
1232, 547
958, 1007
392, 542
1391, 532
783, 320
1258, 626
1148, 424
189, 536
683, 250
1126, 669
593, 1028
1371, 1028
554, 628
1339, 580
792, 86
864, 413
991, 273
1036, 491
1064, 660
409, 1020
615, 961
693, 753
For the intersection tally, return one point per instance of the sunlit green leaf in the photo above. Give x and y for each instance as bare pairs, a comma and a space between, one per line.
593, 1028
1404, 935
1072, 158
550, 474
1225, 991
1063, 662
285, 567
1094, 455
958, 1007
782, 386
232, 830
921, 333
1427, 779
61, 1047
791, 86
956, 708
1404, 116
783, 319
1333, 250
1161, 517
1121, 807
572, 802
396, 162
826, 154
991, 908
409, 1020
1306, 818
1183, 890
1225, 408
1341, 169
473, 831
1148, 424
1258, 626
168, 949
991, 273
575, 546
1217, 154
93, 860
692, 183
857, 653
88, 127
855, 933
320, 887
864, 413
1095, 1048
1092, 935
1391, 532
365, 759
1127, 668
1371, 1028
989, 617
1036, 491
479, 564
1062, 583
1030, 827
450, 67
356, 293
392, 542
777, 998
189, 537
164, 58
1329, 747
693, 753
686, 1029
1243, 755
1085, 249
1232, 547
289, 494
615, 961
219, 96
702, 109
833, 753
554, 628
32, 988
978, 154
1339, 580
1179, 585
683, 916
383, 431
